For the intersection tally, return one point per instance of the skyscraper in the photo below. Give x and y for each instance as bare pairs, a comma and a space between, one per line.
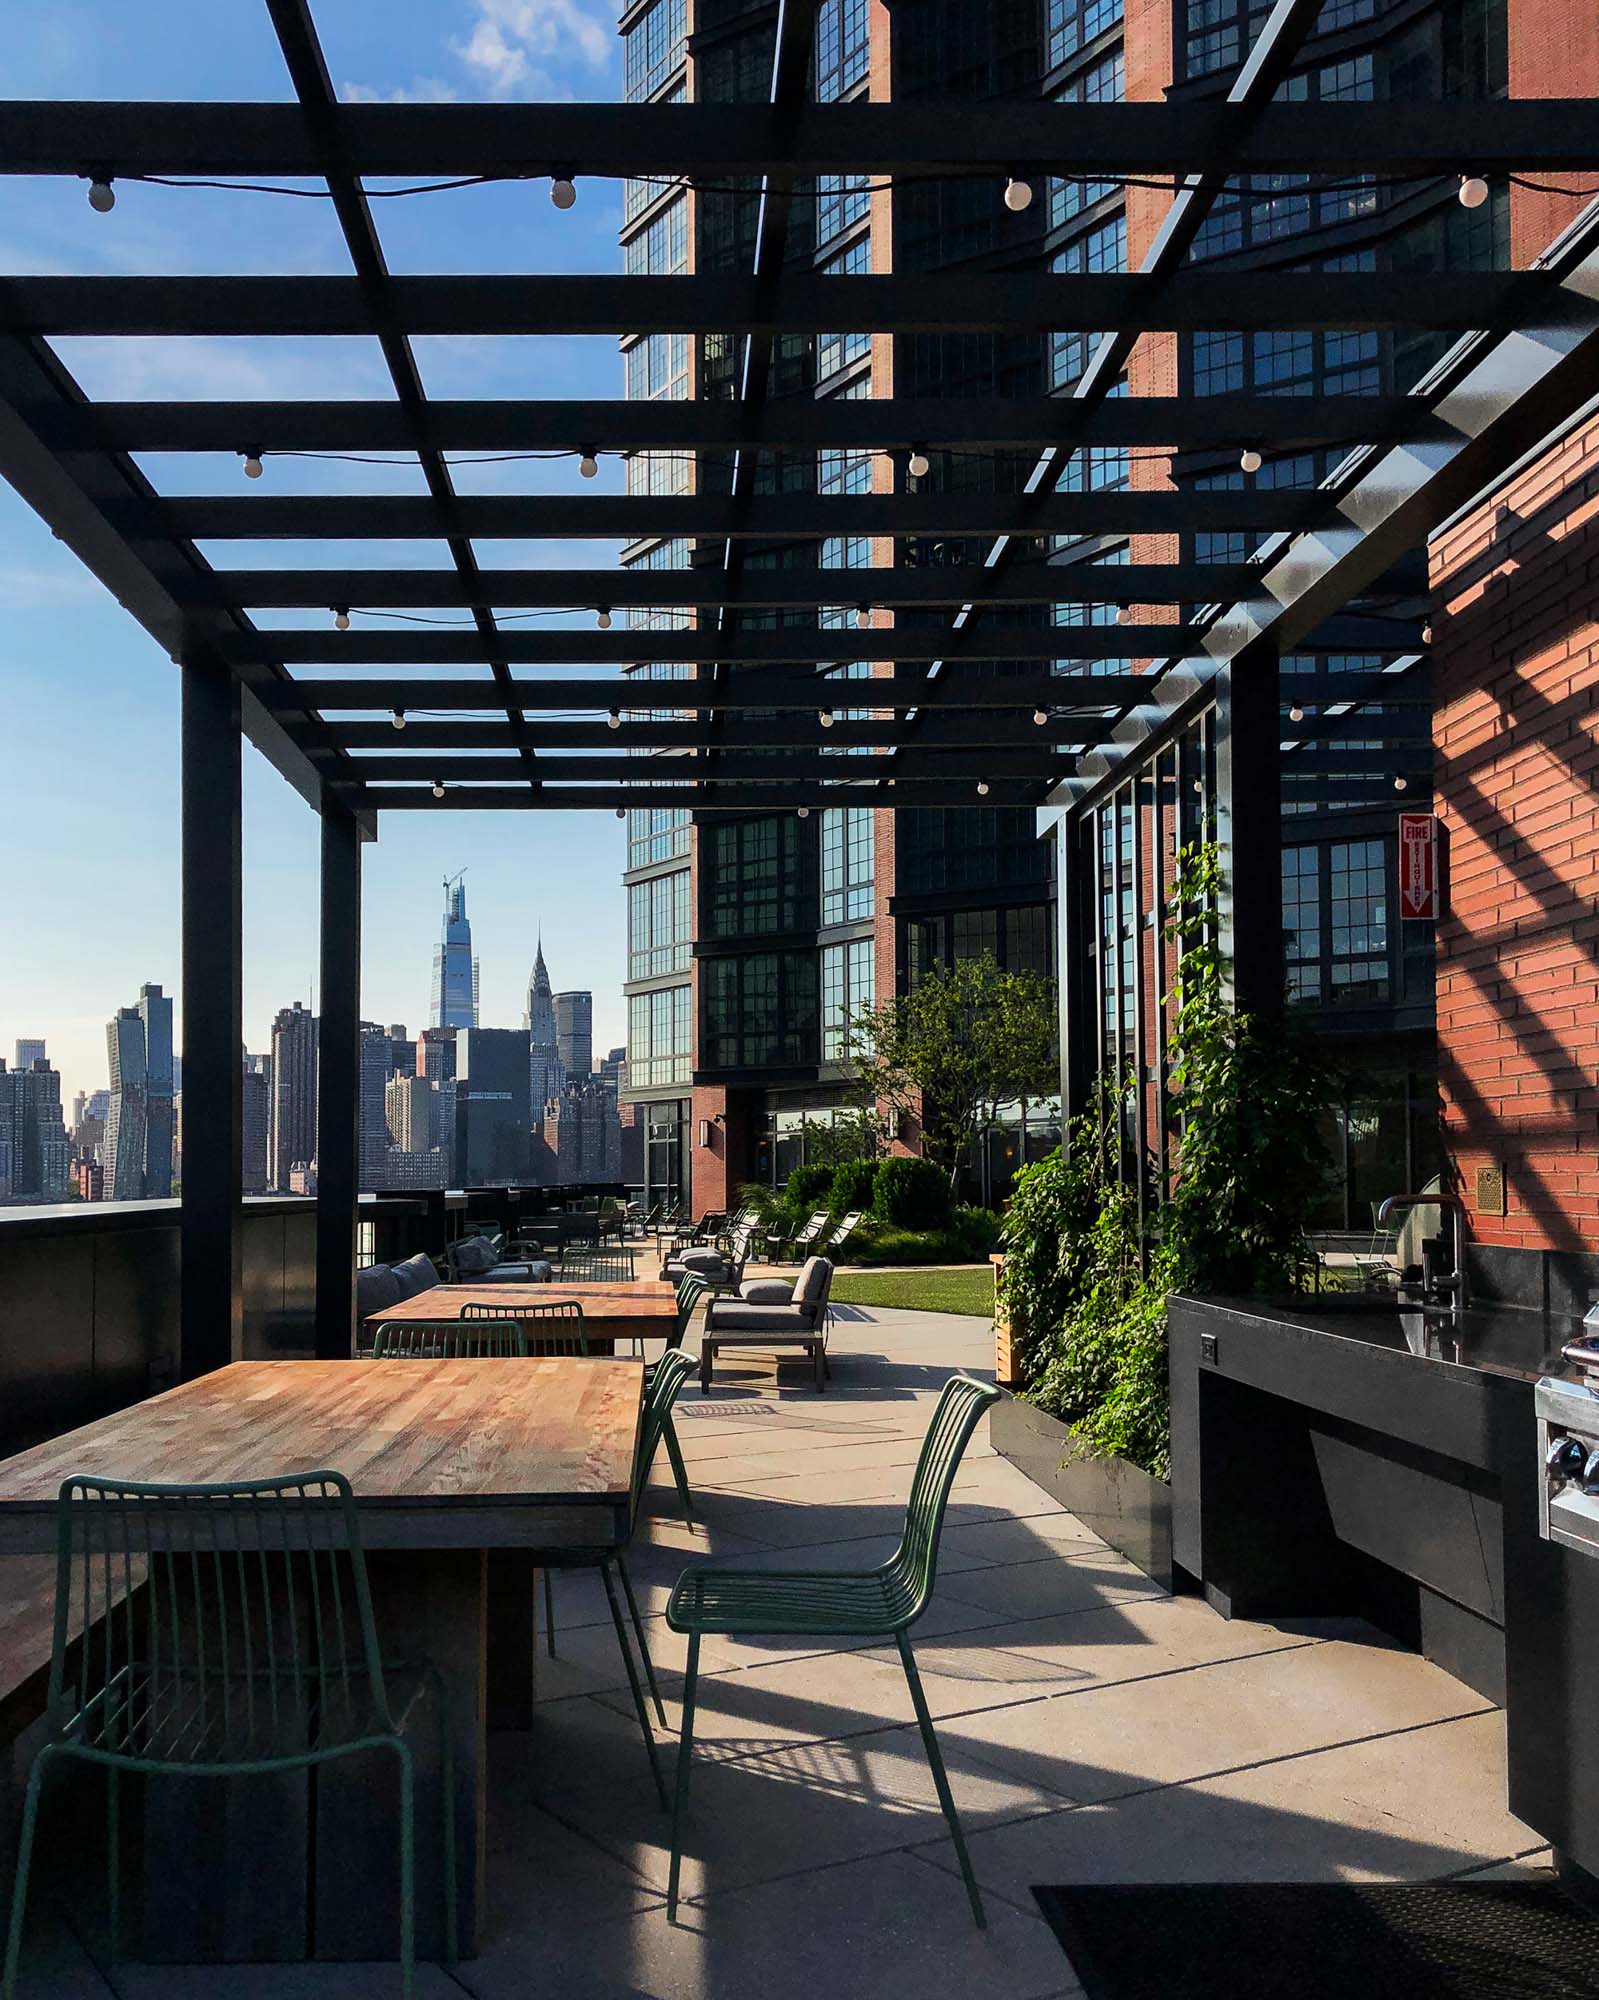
294, 1062
574, 1032
35, 1154
435, 1060
493, 1112
28, 1053
155, 1014
257, 1122
455, 970
376, 1067
125, 1127
546, 1071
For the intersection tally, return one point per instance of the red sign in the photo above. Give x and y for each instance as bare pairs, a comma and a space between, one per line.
1418, 866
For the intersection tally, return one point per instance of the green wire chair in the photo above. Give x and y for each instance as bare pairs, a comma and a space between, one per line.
690, 1289
660, 1393
611, 1266
841, 1604
251, 1649
555, 1328
490, 1334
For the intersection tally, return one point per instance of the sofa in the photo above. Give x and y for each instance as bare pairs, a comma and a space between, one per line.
381, 1285
767, 1320
475, 1260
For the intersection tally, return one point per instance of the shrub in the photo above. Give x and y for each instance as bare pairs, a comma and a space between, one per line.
965, 1240
851, 1186
807, 1188
977, 1232
912, 1193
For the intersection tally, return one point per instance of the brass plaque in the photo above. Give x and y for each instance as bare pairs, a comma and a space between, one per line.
1490, 1190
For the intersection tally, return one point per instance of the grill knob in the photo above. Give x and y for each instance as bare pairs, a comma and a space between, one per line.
1565, 1458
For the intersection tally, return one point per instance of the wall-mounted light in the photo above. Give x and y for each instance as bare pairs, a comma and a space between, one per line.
705, 1134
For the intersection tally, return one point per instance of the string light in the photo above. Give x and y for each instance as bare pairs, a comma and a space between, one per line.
621, 812
397, 719
1041, 716
1296, 713
1401, 784
1249, 460
438, 788
1473, 191
1018, 195
982, 788
102, 195
863, 616
804, 812
613, 718
604, 618
253, 467
1426, 635
341, 618
825, 717
1124, 614
563, 191
588, 465
918, 465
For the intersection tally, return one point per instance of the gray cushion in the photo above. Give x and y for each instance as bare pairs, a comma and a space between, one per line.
776, 1322
702, 1260
814, 1279
509, 1274
767, 1291
375, 1287
474, 1255
415, 1275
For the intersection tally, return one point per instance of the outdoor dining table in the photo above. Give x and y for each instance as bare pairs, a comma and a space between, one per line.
462, 1471
613, 1310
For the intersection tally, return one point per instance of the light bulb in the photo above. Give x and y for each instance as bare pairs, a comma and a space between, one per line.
1018, 195
613, 719
341, 619
825, 717
1296, 713
1473, 191
588, 465
1249, 460
919, 464
102, 196
252, 465
438, 788
621, 812
1041, 716
397, 719
804, 812
563, 191
604, 618
1124, 614
1426, 635
982, 788
863, 617
1401, 784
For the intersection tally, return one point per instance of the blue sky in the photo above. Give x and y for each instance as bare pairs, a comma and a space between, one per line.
89, 763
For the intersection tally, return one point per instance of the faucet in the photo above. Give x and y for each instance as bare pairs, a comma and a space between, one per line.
1451, 1283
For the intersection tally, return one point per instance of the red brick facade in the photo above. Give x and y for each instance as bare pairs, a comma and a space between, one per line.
1516, 656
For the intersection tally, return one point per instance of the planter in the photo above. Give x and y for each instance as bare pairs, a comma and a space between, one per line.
1007, 1332
1120, 1503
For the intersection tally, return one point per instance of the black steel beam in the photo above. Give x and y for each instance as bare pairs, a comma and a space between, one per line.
688, 589
768, 516
339, 1083
799, 729
793, 423
955, 688
718, 141
211, 1312
1041, 762
729, 797
902, 302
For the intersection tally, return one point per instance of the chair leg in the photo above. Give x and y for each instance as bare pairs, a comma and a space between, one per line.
674, 1452
707, 1356
113, 1859
549, 1613
638, 1633
452, 1892
941, 1778
407, 1869
19, 1887
821, 1366
634, 1683
685, 1754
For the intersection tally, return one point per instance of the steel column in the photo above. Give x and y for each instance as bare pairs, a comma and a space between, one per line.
1249, 831
338, 1084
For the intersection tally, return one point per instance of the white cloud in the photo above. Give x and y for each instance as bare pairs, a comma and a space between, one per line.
420, 90
512, 41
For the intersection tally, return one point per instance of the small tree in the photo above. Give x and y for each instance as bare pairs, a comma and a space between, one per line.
956, 1047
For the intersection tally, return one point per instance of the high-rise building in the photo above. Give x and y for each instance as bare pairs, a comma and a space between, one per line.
257, 1102
493, 1109
375, 1066
408, 1103
546, 1071
160, 1130
574, 1032
402, 1048
35, 1153
28, 1053
455, 970
583, 1133
435, 1059
294, 1073
125, 1127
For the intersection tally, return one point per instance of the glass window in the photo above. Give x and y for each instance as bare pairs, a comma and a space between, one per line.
841, 47
654, 48
841, 202
659, 1044
656, 833
760, 1010
659, 931
1103, 248
1358, 910
1070, 24
661, 247
658, 366
1101, 83
848, 863
849, 987
836, 351
1302, 923
756, 872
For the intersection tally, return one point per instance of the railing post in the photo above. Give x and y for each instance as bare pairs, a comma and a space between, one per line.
338, 1083
1249, 830
211, 1322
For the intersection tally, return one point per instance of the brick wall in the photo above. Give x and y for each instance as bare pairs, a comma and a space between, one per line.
1516, 653
1554, 52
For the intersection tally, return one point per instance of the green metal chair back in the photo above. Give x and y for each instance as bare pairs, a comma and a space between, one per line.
691, 1288
660, 1393
253, 1633
481, 1332
556, 1328
610, 1266
914, 1567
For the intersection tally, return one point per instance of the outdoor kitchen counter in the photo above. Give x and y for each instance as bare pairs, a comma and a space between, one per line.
1338, 1456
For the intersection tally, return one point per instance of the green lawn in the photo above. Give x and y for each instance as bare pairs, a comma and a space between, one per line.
969, 1289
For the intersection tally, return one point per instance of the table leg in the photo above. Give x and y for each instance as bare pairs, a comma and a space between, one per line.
430, 1605
512, 1640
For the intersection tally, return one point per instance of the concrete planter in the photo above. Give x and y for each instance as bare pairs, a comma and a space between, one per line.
1121, 1503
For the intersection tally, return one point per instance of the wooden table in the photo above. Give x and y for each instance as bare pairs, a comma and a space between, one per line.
461, 1470
626, 1309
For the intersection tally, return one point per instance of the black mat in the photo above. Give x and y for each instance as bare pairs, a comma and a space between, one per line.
1334, 1941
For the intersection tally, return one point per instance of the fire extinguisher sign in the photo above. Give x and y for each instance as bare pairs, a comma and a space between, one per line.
1418, 867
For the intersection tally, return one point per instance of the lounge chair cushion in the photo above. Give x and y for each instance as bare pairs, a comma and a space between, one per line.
777, 1322
767, 1292
701, 1260
475, 1256
415, 1275
375, 1287
815, 1276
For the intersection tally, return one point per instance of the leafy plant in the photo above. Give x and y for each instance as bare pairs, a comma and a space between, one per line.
851, 1186
807, 1187
912, 1193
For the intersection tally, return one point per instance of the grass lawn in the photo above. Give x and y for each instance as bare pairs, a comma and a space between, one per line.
968, 1289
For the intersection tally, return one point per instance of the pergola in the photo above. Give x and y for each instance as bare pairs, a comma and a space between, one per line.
964, 708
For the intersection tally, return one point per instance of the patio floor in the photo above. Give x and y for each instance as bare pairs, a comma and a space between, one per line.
1094, 1729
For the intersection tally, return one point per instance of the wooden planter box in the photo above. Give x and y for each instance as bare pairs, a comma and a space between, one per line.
1006, 1373
1121, 1503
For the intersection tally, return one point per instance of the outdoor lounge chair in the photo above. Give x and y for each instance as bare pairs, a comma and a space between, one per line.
806, 1239
800, 1322
840, 1604
475, 1260
722, 1269
841, 1235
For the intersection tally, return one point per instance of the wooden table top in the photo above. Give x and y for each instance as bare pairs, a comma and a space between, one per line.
642, 1298
442, 1454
